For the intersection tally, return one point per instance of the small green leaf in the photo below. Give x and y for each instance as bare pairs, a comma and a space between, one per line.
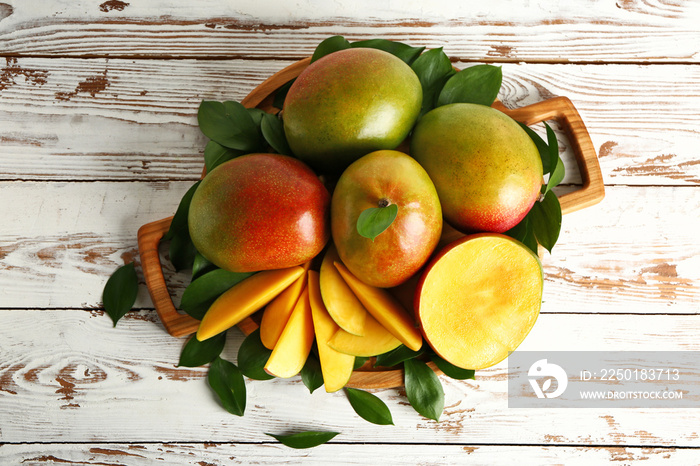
204, 290
433, 69
281, 94
519, 231
257, 115
373, 221
198, 353
179, 221
359, 362
215, 154
330, 45
182, 250
201, 265
542, 147
423, 389
252, 357
369, 407
273, 132
228, 383
311, 373
120, 292
396, 356
230, 124
545, 217
307, 439
404, 51
476, 85
451, 370
554, 160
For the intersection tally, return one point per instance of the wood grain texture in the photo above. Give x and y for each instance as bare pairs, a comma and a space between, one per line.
215, 454
80, 380
503, 30
68, 119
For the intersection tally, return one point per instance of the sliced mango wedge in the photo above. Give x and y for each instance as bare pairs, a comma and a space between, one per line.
342, 304
294, 345
244, 298
376, 340
336, 367
276, 314
385, 308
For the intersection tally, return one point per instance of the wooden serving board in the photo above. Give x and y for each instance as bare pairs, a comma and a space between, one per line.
560, 109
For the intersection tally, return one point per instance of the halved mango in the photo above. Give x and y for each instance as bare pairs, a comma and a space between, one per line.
336, 367
376, 340
276, 314
294, 345
244, 298
478, 299
385, 308
342, 304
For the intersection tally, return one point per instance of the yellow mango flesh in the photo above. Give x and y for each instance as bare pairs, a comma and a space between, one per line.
244, 298
294, 344
342, 304
385, 308
479, 299
336, 367
276, 314
376, 340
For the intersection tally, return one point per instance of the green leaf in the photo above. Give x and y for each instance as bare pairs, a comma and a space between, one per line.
257, 115
201, 265
230, 124
182, 250
252, 357
554, 160
215, 154
198, 353
545, 217
119, 294
330, 45
476, 85
204, 290
273, 132
404, 51
451, 370
179, 221
433, 69
311, 373
369, 407
423, 389
281, 94
542, 147
396, 356
373, 221
519, 231
307, 439
228, 383
359, 362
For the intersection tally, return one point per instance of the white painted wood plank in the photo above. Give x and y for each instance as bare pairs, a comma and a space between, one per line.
635, 252
68, 119
225, 454
68, 376
592, 30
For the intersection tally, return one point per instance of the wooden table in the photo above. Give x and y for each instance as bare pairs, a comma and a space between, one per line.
98, 136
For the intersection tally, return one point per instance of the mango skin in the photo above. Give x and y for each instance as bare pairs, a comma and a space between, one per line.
350, 103
260, 212
403, 248
486, 169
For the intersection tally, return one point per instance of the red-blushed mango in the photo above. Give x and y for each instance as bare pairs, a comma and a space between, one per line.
486, 169
260, 212
350, 103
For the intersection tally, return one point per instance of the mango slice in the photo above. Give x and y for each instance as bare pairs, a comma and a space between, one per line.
336, 367
385, 308
478, 299
276, 314
376, 340
342, 304
294, 345
244, 298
